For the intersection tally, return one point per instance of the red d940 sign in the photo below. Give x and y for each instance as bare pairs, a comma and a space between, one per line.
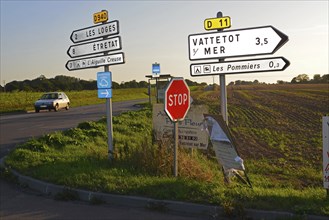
177, 99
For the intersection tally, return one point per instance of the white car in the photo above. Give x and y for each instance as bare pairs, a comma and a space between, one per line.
52, 100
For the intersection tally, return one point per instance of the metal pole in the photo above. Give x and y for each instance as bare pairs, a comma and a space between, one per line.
109, 123
222, 83
149, 92
156, 89
109, 117
176, 149
223, 97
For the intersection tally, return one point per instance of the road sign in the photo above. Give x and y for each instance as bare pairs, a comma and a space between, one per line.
104, 93
104, 84
177, 99
239, 66
106, 45
94, 62
101, 16
104, 80
97, 31
235, 43
191, 132
217, 23
155, 69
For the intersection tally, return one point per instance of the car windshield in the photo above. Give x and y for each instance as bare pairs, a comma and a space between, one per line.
49, 96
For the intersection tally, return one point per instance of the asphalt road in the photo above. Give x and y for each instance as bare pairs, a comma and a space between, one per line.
20, 203
17, 128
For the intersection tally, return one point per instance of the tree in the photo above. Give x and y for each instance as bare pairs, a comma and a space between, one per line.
325, 78
301, 78
317, 78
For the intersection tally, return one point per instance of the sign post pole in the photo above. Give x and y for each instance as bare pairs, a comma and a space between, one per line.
222, 83
325, 137
109, 123
108, 112
176, 149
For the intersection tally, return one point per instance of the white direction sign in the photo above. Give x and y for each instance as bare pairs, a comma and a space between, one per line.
97, 31
240, 66
235, 43
106, 45
94, 62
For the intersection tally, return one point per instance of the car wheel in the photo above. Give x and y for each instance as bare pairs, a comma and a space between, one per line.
56, 108
67, 106
37, 110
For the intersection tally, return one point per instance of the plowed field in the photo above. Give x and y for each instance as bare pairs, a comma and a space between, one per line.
279, 124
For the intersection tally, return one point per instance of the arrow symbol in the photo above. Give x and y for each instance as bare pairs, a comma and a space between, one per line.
106, 93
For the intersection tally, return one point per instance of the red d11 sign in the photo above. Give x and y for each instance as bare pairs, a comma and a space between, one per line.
177, 99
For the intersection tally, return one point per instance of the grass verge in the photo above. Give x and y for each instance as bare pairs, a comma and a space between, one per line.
78, 158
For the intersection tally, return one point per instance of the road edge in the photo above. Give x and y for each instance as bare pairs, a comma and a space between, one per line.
167, 206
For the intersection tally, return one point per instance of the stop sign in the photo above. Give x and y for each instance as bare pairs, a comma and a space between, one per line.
177, 99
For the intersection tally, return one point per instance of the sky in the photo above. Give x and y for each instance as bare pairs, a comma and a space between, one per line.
35, 36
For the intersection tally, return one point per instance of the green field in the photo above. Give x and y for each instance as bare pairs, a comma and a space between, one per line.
277, 130
23, 101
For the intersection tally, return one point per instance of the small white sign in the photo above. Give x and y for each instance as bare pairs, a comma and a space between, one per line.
109, 44
241, 66
94, 62
325, 135
97, 31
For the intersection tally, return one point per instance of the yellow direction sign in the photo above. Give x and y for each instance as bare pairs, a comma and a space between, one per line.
101, 17
217, 23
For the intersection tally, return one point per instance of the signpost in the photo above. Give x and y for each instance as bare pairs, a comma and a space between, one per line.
156, 69
105, 45
97, 31
177, 104
97, 61
235, 43
239, 66
109, 44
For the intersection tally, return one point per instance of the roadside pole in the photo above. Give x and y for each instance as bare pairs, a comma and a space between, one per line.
109, 123
222, 83
109, 115
325, 140
176, 149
